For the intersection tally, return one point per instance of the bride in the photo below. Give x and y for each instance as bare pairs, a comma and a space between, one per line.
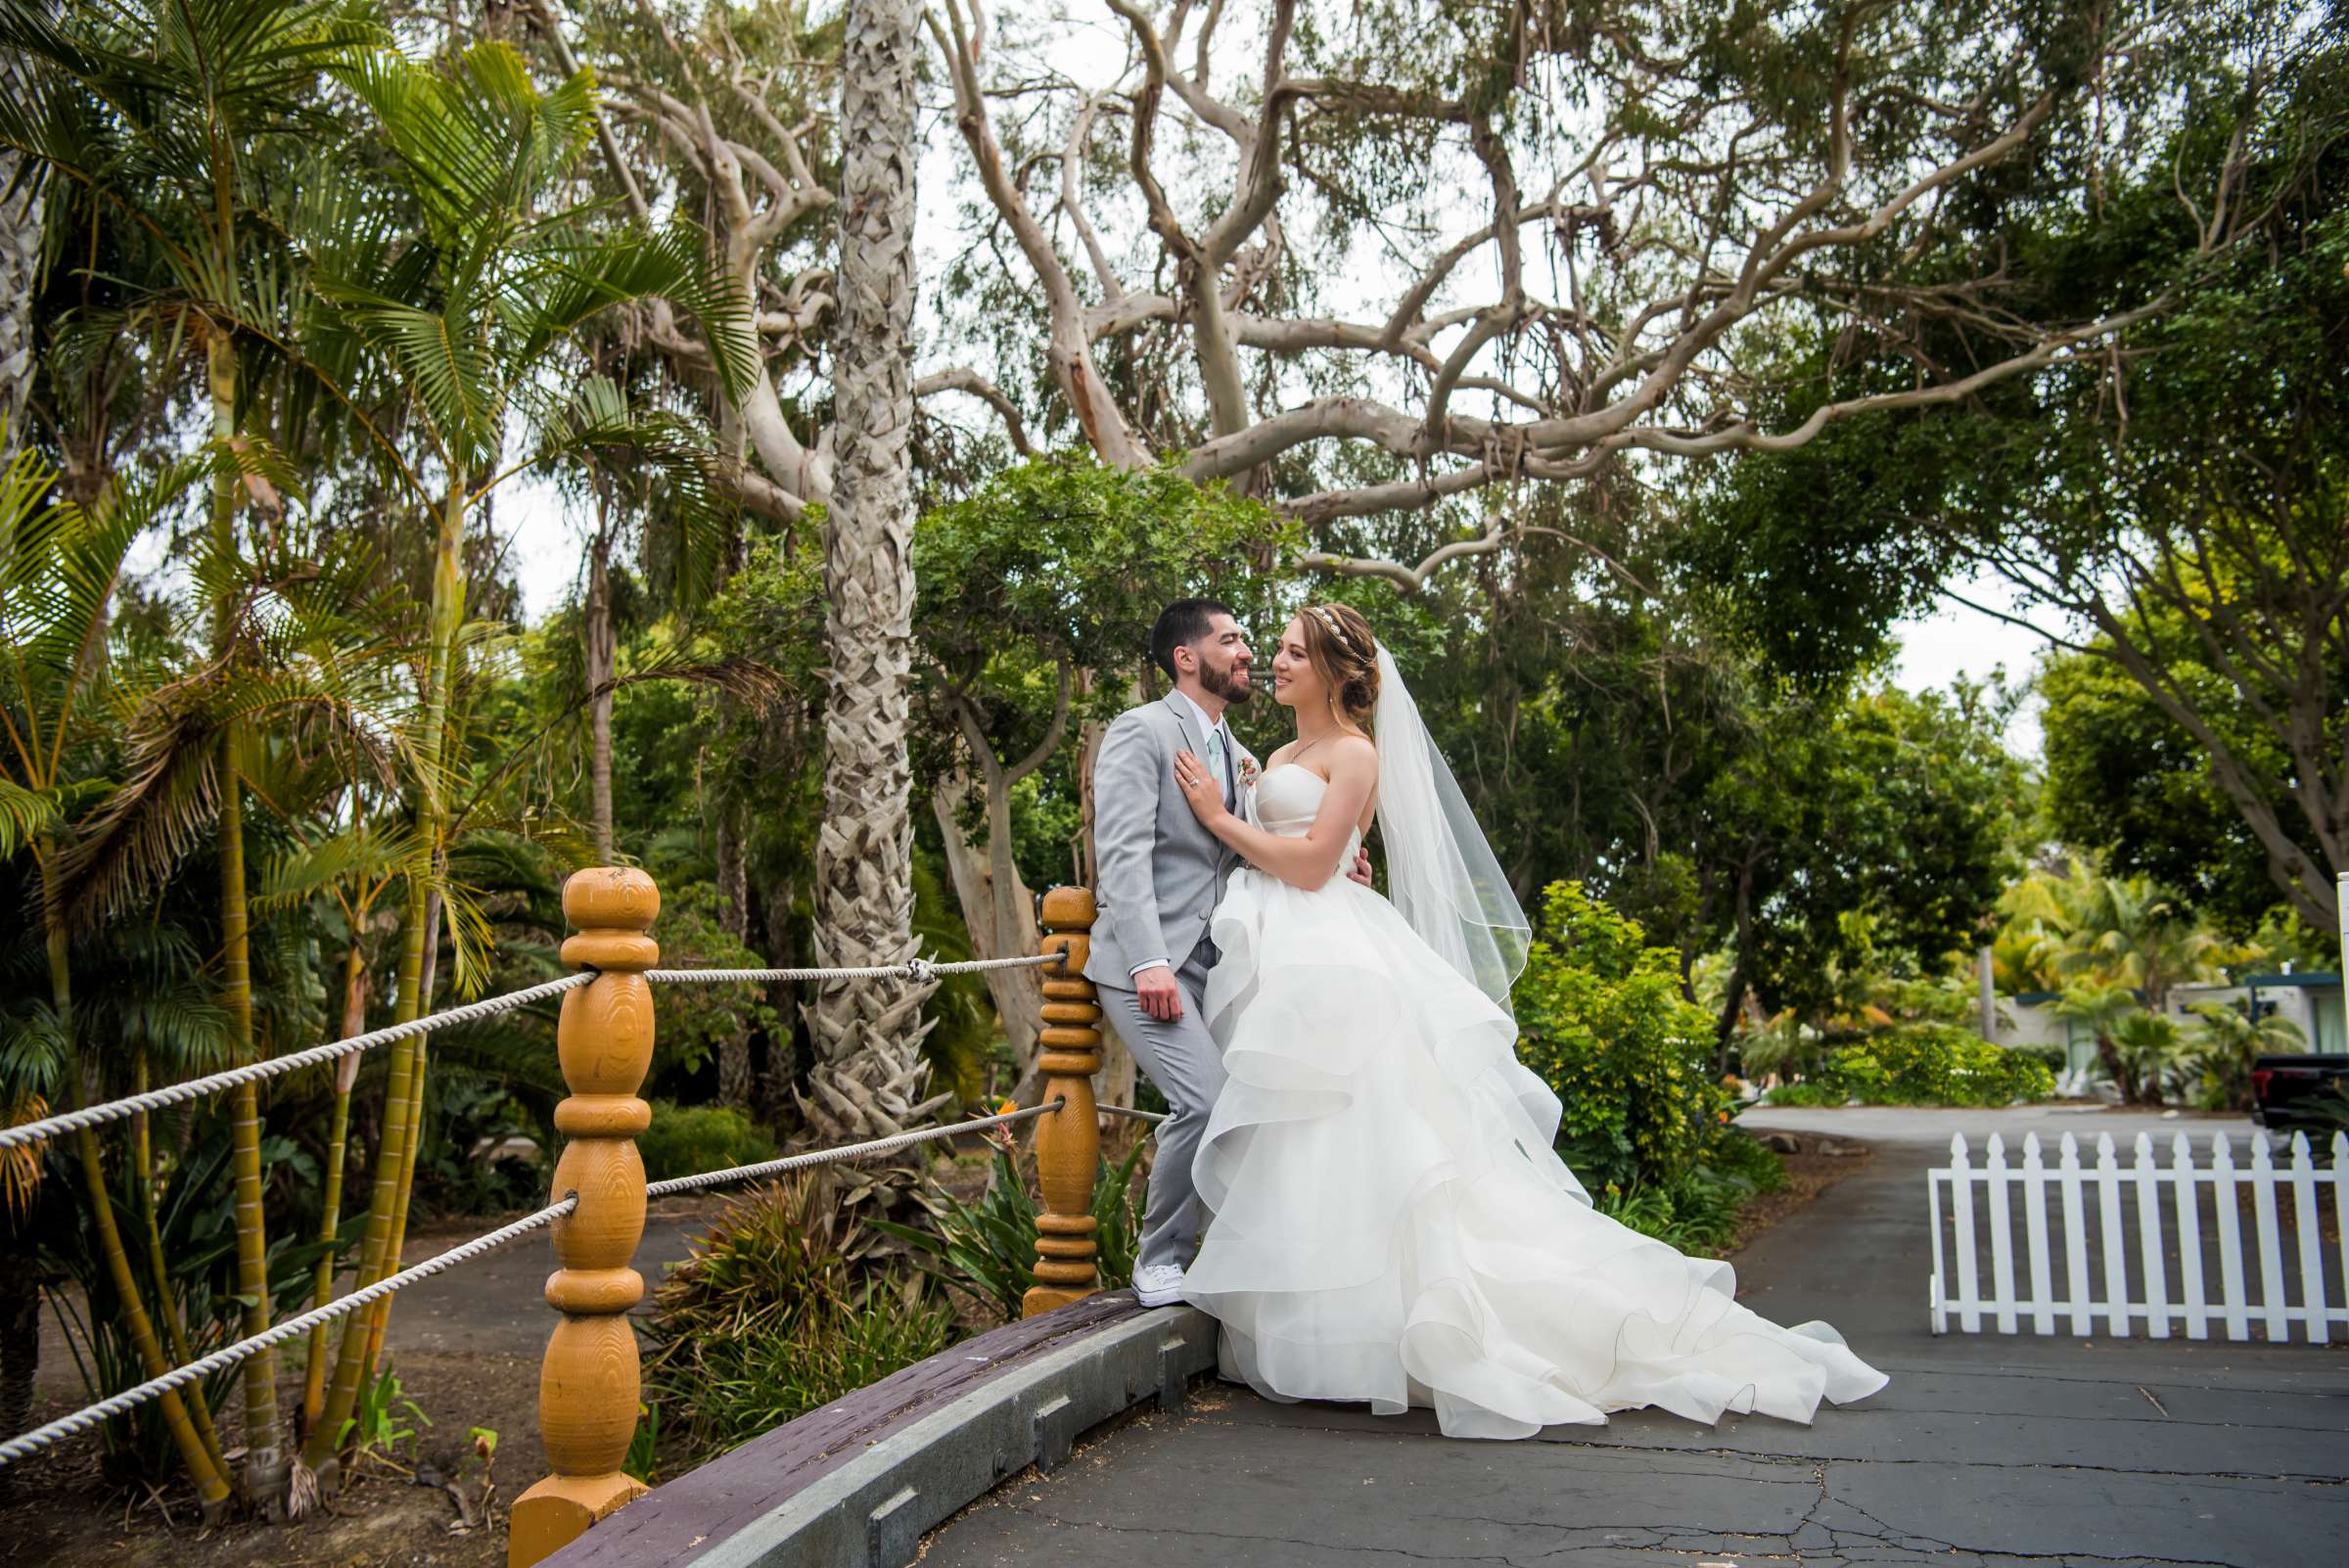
1390, 1222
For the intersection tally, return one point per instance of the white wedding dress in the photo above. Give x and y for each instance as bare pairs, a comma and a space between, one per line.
1391, 1223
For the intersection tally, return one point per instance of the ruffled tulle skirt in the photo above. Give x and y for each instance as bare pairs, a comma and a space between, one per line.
1391, 1225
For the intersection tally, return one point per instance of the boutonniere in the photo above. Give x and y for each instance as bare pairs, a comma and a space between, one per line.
1247, 772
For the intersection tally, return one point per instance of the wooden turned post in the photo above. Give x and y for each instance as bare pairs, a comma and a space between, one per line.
587, 1385
1068, 1142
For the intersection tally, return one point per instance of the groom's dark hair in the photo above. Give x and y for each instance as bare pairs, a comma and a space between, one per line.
1185, 621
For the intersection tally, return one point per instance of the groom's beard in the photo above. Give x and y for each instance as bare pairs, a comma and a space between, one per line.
1229, 684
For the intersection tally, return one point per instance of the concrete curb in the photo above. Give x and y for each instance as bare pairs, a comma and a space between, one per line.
872, 1511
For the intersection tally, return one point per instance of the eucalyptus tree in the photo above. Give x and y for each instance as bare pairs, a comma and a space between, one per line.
720, 109
2168, 514
456, 297
1371, 260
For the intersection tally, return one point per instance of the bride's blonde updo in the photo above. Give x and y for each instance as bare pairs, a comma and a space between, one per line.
1340, 644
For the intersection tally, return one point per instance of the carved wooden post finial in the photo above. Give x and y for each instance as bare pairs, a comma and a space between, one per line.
587, 1385
1068, 1142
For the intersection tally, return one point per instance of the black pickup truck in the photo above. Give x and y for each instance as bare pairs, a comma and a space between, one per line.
2301, 1095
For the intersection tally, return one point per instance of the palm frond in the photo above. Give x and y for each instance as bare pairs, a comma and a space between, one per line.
361, 853
168, 792
24, 814
566, 287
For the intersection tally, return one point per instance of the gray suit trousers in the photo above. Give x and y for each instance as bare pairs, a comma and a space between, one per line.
1181, 1059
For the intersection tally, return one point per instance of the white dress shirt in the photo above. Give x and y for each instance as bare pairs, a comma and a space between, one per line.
1223, 775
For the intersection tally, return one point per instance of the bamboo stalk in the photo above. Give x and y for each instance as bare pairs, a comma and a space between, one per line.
265, 1460
379, 1316
395, 1164
319, 1450
158, 1270
347, 1077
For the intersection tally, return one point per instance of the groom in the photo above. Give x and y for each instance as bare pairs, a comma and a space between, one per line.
1160, 873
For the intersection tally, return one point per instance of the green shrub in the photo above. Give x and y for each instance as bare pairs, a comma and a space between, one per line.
987, 1249
1742, 1157
685, 1139
1811, 1092
1697, 1211
1601, 1019
1922, 1064
766, 1320
2054, 1058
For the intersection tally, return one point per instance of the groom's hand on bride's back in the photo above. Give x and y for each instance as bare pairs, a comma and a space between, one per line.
1359, 871
1155, 989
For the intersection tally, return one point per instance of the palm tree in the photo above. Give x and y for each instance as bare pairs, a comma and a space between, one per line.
172, 115
2226, 1042
468, 325
868, 1075
2127, 931
59, 567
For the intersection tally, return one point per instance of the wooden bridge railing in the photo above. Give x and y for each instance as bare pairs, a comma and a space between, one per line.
589, 1381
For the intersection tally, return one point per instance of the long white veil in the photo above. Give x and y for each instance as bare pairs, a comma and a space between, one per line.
1440, 873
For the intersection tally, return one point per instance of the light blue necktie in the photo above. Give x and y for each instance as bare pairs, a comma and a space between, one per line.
1218, 758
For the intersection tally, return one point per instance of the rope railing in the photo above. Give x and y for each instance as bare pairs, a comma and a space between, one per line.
171, 1094
604, 1048
1133, 1111
921, 969
847, 1151
33, 1442
130, 1399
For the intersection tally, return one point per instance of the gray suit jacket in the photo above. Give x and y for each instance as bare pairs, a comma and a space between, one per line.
1160, 871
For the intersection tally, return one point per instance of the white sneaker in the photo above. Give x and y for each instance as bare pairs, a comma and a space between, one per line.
1158, 1284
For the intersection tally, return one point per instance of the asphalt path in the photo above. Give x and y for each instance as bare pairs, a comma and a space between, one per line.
1987, 1451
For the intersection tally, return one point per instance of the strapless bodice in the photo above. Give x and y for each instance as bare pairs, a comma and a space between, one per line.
1287, 797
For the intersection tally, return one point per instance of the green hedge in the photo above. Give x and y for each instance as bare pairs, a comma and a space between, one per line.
686, 1139
1922, 1064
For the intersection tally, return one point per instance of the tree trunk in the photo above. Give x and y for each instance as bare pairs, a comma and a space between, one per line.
601, 656
337, 1146
266, 1464
378, 1315
159, 1266
403, 1086
20, 261
869, 1074
210, 1487
1985, 992
735, 1083
782, 1052
996, 908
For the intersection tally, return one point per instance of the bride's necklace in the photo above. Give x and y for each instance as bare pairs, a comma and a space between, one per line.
1308, 745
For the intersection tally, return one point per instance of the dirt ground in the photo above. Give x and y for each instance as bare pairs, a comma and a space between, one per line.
60, 1512
467, 1360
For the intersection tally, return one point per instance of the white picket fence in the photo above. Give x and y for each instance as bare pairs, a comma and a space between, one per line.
2055, 1203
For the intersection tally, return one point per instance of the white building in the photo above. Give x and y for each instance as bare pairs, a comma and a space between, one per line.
2312, 1003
